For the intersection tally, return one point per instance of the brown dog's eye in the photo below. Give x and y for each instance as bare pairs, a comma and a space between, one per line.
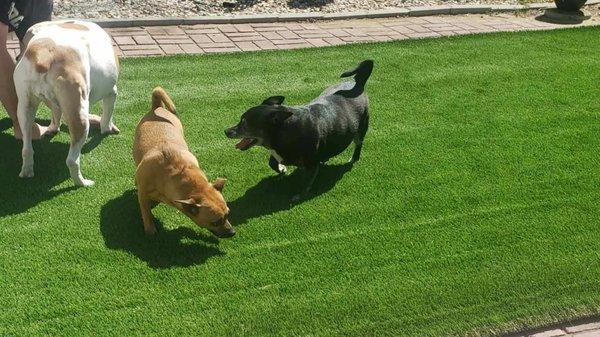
192, 209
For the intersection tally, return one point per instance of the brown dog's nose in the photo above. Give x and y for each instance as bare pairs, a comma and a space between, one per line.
227, 234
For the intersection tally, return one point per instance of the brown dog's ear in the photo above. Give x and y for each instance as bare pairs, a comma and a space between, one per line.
219, 184
186, 201
189, 206
273, 100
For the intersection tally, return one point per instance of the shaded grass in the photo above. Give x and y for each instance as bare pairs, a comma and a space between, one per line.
474, 208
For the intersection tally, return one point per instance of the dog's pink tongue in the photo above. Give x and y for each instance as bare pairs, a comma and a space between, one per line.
245, 142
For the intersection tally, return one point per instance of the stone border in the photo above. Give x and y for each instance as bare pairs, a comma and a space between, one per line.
292, 17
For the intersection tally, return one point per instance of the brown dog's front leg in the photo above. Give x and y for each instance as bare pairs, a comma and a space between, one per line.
145, 206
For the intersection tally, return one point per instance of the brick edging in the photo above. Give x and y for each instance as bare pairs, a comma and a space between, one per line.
586, 326
292, 17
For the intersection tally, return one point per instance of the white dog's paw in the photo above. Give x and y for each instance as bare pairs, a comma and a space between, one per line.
111, 130
26, 172
84, 182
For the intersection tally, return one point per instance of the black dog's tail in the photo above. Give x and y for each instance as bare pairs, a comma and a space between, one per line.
361, 75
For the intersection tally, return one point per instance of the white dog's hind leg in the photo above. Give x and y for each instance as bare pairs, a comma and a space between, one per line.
78, 128
55, 120
108, 107
26, 109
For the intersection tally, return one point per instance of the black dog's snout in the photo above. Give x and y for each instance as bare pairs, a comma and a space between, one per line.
230, 132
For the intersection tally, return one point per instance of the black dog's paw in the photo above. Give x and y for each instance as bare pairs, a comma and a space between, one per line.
281, 169
276, 166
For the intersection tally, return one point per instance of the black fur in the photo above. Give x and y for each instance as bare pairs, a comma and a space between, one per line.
308, 135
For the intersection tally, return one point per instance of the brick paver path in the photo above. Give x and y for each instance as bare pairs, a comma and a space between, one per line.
217, 38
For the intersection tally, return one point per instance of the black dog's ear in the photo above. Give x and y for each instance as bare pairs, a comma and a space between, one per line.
280, 115
273, 100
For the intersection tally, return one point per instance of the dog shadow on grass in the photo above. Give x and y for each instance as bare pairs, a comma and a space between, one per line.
122, 228
274, 194
18, 195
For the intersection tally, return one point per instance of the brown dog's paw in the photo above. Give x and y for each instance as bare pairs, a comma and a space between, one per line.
50, 133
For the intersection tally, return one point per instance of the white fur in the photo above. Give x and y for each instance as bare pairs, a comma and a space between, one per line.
282, 168
100, 72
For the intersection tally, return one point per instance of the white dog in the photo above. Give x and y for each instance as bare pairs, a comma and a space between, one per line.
70, 65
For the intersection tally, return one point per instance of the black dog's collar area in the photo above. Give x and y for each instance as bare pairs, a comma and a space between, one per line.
246, 143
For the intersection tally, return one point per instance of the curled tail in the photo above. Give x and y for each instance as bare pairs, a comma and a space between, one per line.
160, 98
361, 75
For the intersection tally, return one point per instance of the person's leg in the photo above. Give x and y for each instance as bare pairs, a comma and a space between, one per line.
8, 96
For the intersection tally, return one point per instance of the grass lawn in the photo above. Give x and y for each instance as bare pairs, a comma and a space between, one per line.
474, 208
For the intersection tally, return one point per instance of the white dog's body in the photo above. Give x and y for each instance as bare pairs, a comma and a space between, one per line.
70, 65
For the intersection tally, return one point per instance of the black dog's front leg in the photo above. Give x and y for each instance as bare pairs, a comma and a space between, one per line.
312, 174
274, 164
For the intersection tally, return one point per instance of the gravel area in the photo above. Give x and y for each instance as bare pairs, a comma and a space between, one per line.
182, 8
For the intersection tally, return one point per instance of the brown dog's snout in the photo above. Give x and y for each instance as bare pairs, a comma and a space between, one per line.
225, 231
227, 234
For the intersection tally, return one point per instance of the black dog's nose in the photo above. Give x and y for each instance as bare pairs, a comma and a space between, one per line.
229, 133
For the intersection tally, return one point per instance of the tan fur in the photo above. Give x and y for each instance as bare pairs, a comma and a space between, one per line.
44, 53
168, 172
73, 25
65, 66
161, 99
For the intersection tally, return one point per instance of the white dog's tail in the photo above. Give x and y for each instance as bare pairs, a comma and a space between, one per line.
160, 98
41, 54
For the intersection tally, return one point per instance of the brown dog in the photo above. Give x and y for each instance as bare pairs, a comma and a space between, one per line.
168, 172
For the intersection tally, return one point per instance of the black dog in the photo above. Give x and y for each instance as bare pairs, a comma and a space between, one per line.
308, 135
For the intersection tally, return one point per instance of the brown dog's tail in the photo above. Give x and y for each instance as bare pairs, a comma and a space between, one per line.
160, 98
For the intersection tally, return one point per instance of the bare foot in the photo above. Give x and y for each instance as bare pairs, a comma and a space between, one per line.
94, 121
38, 131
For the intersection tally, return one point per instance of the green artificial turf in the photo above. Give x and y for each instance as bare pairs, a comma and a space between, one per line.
473, 210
